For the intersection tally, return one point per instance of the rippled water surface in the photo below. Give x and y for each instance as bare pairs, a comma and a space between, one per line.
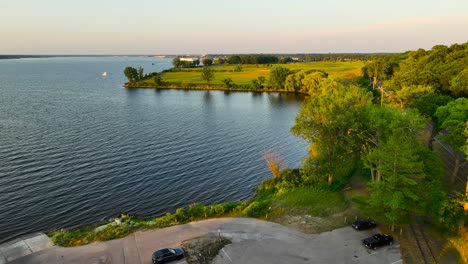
77, 148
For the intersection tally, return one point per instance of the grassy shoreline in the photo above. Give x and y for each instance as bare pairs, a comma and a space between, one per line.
203, 88
239, 78
284, 196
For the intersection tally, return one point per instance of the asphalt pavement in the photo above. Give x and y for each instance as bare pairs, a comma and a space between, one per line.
254, 241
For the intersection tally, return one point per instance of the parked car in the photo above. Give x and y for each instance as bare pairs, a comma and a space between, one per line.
378, 240
363, 224
167, 254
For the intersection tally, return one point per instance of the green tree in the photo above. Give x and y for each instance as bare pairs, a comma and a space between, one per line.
207, 61
234, 59
131, 74
324, 121
374, 126
453, 117
140, 73
219, 60
278, 77
427, 106
238, 68
407, 94
261, 80
227, 82
291, 83
176, 62
396, 196
375, 70
157, 79
312, 83
459, 84
207, 74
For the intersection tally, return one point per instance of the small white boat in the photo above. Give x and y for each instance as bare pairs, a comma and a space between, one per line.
104, 74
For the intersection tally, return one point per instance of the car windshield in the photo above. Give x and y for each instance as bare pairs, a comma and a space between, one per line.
172, 251
377, 237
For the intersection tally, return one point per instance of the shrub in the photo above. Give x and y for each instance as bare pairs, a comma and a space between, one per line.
256, 209
238, 68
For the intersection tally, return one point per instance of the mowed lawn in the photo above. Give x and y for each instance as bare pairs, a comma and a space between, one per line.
249, 72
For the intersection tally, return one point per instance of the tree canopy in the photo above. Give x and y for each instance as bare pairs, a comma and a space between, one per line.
131, 74
207, 74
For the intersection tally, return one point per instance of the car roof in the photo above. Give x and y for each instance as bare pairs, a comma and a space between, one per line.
360, 221
161, 252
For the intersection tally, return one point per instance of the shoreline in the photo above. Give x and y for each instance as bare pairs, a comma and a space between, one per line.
207, 88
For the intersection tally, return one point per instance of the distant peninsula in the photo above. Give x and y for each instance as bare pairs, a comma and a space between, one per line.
227, 74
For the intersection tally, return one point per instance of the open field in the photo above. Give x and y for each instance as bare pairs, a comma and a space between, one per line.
250, 72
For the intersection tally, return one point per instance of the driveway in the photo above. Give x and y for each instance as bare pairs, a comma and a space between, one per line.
254, 241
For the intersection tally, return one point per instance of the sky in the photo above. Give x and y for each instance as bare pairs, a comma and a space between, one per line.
226, 27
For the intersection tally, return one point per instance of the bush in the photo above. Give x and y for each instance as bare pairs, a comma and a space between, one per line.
256, 209
238, 68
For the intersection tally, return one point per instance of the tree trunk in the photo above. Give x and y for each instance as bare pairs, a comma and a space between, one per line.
372, 172
330, 179
379, 172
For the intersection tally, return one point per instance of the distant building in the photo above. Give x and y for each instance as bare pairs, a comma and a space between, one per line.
188, 59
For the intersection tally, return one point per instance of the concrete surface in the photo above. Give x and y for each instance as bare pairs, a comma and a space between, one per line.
254, 241
23, 246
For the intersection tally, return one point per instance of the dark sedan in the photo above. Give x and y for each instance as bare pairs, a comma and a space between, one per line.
378, 240
363, 224
167, 254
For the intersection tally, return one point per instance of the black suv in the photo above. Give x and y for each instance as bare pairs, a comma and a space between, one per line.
362, 224
378, 240
167, 254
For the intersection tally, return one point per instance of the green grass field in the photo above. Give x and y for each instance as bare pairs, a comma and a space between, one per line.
249, 72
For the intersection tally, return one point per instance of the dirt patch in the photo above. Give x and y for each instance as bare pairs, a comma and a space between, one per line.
202, 250
301, 219
309, 224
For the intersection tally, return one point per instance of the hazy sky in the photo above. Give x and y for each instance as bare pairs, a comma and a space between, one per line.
236, 26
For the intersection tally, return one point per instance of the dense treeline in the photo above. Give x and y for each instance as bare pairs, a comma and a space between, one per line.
442, 70
427, 80
286, 58
368, 122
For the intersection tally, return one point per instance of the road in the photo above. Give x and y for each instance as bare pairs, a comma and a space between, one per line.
254, 241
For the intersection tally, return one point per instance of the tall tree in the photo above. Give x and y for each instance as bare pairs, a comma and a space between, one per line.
396, 195
140, 73
324, 121
375, 125
278, 77
131, 74
453, 117
407, 94
176, 62
207, 61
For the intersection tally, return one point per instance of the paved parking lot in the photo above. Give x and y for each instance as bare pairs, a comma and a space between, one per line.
254, 241
338, 246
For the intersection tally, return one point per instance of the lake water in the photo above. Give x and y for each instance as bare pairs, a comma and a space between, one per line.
77, 148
